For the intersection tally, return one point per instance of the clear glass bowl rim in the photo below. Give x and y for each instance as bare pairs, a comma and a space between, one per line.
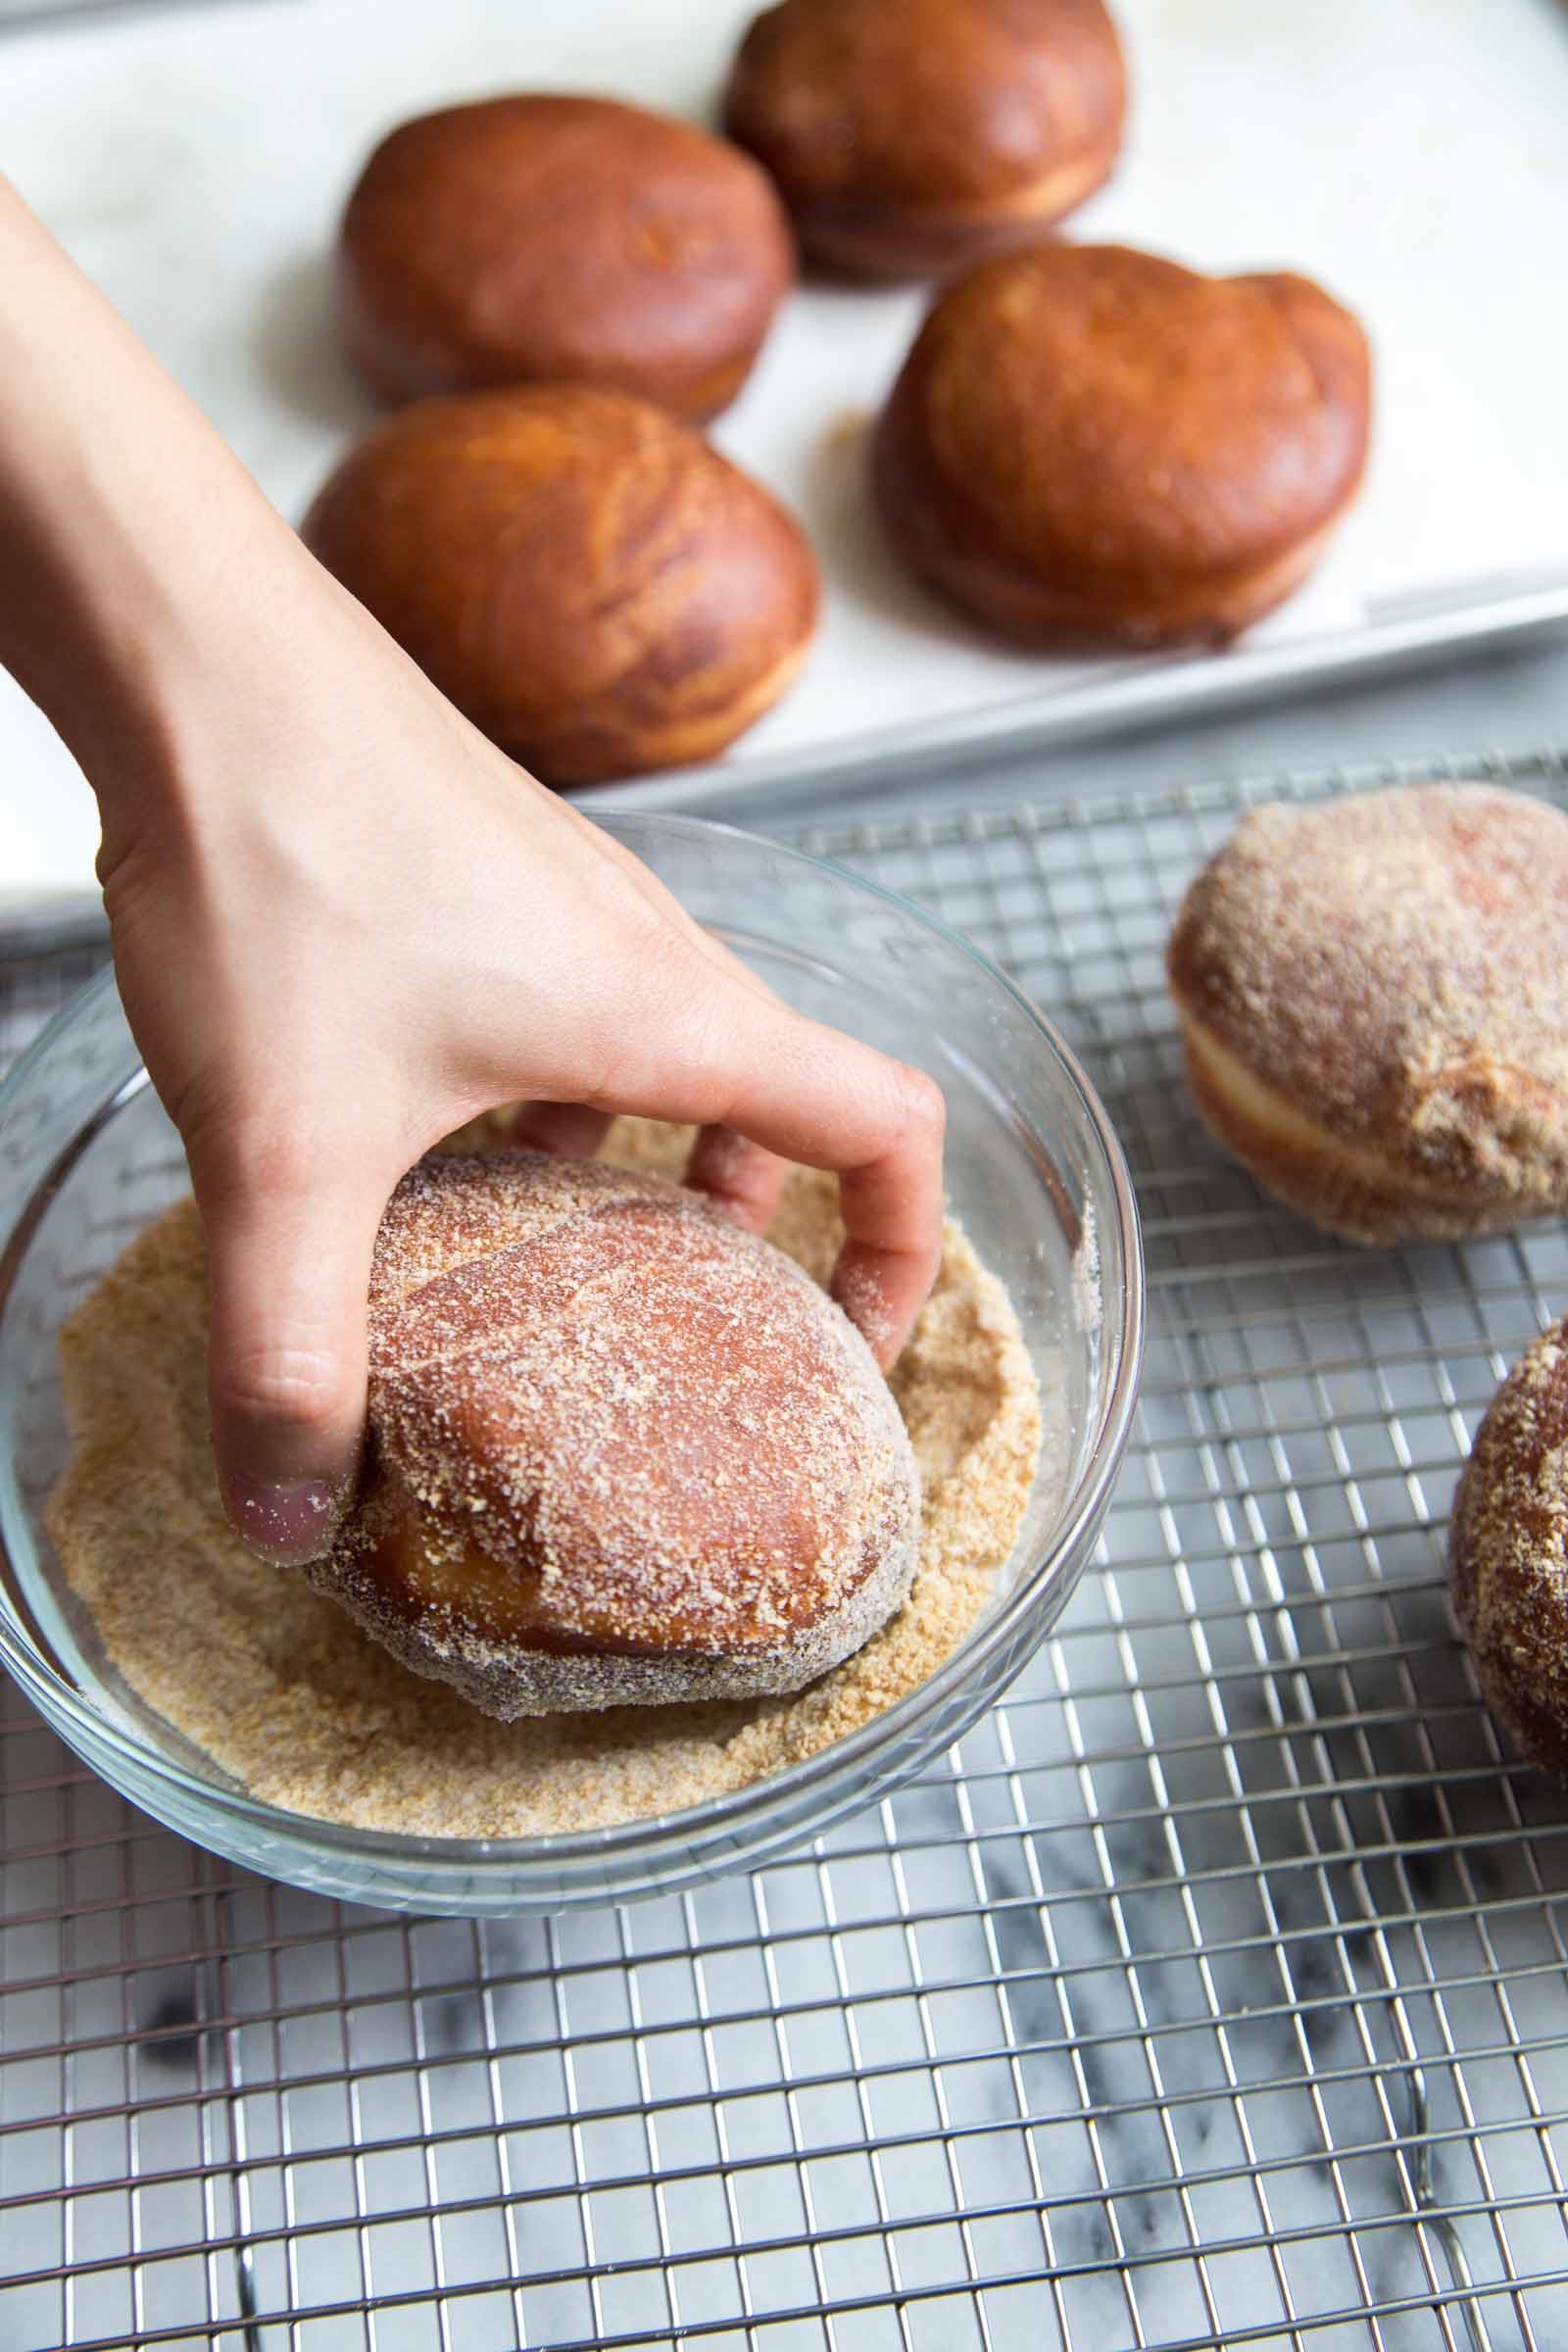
58, 1698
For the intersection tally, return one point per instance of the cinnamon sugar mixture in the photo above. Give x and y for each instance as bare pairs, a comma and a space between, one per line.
285, 1693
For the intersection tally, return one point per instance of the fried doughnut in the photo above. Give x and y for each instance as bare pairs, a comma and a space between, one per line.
910, 137
620, 1451
1509, 1552
590, 583
1092, 444
541, 239
1374, 1003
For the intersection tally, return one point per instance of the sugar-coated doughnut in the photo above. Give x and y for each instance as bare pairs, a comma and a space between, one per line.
1509, 1552
620, 1451
1373, 995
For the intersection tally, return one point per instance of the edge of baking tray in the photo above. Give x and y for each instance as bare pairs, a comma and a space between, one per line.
1403, 633
1417, 631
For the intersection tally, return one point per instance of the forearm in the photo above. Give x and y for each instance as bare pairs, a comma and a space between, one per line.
343, 924
131, 536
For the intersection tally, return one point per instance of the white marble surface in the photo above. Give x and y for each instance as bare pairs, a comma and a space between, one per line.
1410, 154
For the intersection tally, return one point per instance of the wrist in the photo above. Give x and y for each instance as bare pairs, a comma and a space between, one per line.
122, 649
162, 646
139, 563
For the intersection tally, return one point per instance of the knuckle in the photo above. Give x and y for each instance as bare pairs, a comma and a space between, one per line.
593, 1070
685, 1031
238, 1146
675, 963
252, 1152
294, 1384
921, 1107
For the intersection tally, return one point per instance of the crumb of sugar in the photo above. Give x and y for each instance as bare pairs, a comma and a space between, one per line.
286, 1693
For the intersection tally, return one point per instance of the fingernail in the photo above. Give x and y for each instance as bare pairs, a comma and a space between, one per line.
287, 1525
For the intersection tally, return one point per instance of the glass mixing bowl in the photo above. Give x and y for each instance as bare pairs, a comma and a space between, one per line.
1034, 1170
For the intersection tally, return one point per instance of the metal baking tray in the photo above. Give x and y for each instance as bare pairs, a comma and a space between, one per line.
1210, 1994
1400, 634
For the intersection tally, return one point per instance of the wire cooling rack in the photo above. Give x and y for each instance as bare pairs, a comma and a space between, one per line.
1215, 1993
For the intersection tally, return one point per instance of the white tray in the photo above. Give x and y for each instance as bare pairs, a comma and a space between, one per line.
1412, 156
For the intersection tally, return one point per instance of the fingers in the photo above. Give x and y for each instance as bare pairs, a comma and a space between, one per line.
737, 1175
669, 1025
879, 1124
289, 1240
566, 1130
740, 1060
892, 1212
892, 1204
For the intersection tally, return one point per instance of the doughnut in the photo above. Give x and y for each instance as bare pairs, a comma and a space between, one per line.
911, 137
620, 1452
1092, 445
1509, 1552
1373, 996
590, 583
540, 239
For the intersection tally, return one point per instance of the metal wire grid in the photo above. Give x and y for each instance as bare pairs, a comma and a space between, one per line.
1214, 1994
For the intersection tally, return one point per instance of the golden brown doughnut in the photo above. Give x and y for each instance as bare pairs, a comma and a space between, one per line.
546, 238
1091, 443
595, 587
621, 1451
913, 136
1374, 1003
1509, 1552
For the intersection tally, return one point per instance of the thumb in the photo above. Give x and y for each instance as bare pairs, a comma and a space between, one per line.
290, 1242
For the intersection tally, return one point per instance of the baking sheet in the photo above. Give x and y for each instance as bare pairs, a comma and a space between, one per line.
1410, 154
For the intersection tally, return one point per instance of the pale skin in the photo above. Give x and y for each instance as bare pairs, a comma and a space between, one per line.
343, 924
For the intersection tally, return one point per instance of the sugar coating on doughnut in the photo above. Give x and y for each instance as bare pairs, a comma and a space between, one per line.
622, 1448
1508, 1551
1375, 996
